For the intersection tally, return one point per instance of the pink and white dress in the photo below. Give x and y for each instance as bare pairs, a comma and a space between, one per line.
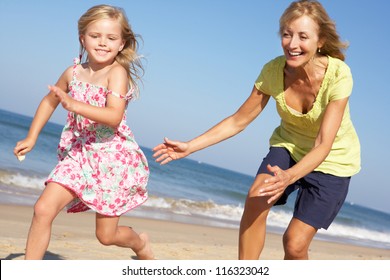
103, 166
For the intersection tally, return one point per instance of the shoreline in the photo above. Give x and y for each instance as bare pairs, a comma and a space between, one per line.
73, 238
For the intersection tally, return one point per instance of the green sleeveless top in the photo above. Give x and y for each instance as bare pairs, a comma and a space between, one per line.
297, 133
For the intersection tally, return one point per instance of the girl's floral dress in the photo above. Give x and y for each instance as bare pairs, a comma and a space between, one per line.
103, 166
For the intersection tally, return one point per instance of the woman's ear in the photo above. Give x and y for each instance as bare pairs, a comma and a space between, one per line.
321, 43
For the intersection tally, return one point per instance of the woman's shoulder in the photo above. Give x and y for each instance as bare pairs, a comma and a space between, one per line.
270, 79
274, 65
338, 70
338, 65
338, 78
276, 62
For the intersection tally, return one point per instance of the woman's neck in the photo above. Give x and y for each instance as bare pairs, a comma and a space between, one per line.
311, 72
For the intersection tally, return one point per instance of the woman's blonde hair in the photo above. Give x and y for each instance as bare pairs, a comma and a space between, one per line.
128, 56
333, 46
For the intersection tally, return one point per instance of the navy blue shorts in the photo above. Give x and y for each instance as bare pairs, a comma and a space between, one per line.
320, 196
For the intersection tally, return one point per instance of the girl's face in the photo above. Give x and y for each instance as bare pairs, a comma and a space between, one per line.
103, 40
300, 41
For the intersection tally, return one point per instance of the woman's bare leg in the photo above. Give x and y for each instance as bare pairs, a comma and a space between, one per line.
253, 222
297, 239
109, 233
52, 200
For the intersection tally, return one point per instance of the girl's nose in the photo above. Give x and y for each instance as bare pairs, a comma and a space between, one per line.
102, 42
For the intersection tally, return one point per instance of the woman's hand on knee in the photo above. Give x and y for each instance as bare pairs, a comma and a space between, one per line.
275, 185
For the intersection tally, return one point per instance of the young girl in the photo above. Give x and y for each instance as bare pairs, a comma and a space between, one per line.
100, 166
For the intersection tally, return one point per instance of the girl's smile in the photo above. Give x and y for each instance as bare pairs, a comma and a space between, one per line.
103, 40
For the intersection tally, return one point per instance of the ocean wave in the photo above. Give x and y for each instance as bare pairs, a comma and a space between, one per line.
199, 208
358, 234
209, 212
278, 220
17, 179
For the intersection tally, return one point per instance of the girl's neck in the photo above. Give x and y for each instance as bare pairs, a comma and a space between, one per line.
95, 73
93, 67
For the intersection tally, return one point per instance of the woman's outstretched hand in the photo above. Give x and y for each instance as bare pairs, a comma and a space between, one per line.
170, 150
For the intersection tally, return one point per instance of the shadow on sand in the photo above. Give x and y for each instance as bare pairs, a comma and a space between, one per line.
48, 256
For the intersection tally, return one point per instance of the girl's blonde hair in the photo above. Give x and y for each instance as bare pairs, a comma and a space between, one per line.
128, 56
327, 27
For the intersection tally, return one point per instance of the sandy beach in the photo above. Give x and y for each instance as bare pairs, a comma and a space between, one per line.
73, 238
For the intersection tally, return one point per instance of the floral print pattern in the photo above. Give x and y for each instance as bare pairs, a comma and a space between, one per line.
103, 166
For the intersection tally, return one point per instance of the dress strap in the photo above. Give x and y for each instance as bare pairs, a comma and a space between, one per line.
127, 97
116, 94
76, 62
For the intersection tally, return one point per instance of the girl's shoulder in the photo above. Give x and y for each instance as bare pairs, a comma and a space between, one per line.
66, 76
117, 73
117, 69
69, 71
117, 79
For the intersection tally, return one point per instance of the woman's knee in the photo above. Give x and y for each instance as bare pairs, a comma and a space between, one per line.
296, 244
257, 185
293, 247
254, 201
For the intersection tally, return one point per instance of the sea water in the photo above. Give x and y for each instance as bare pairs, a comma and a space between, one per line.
184, 191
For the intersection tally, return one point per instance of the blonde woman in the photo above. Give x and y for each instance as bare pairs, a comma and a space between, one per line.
315, 149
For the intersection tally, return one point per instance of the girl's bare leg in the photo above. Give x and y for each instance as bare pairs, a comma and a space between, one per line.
253, 222
109, 233
52, 200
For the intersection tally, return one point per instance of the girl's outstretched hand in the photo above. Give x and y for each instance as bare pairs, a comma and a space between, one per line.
66, 101
170, 150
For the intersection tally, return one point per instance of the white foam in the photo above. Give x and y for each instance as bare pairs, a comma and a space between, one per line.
277, 218
203, 208
357, 233
23, 181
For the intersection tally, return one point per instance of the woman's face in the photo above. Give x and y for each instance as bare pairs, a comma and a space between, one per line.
300, 41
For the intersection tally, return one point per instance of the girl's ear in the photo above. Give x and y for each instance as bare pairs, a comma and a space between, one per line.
122, 45
81, 39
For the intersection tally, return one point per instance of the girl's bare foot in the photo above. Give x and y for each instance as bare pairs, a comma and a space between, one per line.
146, 251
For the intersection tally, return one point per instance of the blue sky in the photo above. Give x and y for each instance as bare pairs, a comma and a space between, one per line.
202, 58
